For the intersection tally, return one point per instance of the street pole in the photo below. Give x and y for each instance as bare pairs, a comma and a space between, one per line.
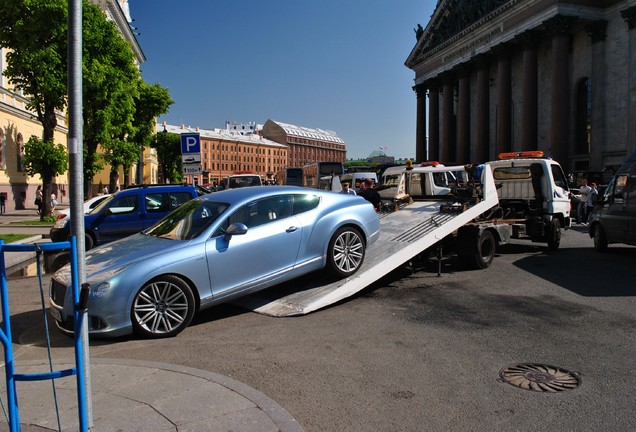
76, 173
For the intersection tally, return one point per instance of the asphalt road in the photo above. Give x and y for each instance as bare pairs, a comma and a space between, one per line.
418, 352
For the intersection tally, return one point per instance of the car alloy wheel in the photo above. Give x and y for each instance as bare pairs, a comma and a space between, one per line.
163, 307
346, 251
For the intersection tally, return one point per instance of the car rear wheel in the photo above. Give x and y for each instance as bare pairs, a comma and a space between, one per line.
346, 252
163, 307
600, 239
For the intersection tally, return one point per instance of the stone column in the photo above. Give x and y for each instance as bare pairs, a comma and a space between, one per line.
463, 117
529, 109
482, 138
447, 149
629, 15
433, 121
504, 100
560, 118
597, 32
420, 126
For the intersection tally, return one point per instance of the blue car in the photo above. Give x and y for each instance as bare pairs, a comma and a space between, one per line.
213, 249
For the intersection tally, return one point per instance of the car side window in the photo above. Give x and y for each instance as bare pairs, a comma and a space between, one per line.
304, 203
155, 202
124, 205
177, 199
618, 193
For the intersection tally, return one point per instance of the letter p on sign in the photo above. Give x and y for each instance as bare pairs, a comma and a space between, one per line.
190, 143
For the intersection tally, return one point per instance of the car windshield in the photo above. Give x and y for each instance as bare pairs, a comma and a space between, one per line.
188, 221
101, 204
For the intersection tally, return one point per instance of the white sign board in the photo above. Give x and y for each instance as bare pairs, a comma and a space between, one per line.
192, 158
192, 169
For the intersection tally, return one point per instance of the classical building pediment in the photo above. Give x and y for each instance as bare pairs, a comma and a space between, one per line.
452, 17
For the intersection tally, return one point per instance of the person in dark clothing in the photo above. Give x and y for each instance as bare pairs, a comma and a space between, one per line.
368, 193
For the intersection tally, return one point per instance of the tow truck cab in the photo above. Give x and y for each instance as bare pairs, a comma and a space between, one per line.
533, 190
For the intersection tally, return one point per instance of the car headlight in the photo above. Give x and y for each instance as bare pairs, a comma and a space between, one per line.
100, 290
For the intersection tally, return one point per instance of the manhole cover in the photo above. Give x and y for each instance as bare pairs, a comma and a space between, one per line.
540, 377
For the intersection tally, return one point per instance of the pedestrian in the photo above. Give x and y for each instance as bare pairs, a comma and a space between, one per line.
592, 200
54, 203
368, 193
581, 211
38, 199
347, 190
105, 190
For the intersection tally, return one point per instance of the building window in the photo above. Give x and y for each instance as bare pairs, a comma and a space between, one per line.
583, 116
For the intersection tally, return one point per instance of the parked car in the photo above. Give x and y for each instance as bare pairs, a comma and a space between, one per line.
613, 219
89, 205
213, 249
243, 180
127, 212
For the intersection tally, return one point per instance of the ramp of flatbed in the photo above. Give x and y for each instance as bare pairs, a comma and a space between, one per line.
403, 235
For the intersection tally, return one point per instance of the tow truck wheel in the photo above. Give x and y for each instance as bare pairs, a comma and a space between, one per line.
475, 250
554, 234
485, 250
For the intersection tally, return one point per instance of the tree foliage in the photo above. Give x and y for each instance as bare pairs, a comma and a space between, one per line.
46, 159
168, 147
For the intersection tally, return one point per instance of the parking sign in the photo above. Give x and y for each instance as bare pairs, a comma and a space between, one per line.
190, 143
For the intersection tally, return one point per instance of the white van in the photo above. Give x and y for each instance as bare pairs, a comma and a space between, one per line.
355, 179
244, 180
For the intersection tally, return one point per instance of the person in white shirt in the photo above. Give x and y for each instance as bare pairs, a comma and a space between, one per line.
581, 212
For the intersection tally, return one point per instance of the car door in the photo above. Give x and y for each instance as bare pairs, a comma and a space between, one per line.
630, 205
265, 253
119, 219
159, 204
614, 216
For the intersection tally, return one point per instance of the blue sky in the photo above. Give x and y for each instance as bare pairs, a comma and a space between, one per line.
327, 64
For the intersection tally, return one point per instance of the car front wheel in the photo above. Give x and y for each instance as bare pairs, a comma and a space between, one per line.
600, 239
346, 252
163, 307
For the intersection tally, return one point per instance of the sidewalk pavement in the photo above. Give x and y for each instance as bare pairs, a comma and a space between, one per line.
132, 395
147, 396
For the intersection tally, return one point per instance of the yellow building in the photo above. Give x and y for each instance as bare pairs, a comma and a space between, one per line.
17, 125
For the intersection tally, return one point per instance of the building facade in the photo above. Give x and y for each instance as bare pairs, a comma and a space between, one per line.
306, 145
510, 75
17, 125
225, 152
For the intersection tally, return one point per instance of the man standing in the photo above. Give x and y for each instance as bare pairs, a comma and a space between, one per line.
368, 193
347, 190
581, 212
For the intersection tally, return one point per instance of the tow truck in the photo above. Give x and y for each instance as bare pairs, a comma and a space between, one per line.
425, 220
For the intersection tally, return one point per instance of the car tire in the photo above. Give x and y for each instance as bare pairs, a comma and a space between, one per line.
554, 234
88, 242
600, 239
346, 252
163, 307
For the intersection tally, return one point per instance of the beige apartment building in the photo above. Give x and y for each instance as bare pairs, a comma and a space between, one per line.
225, 152
510, 75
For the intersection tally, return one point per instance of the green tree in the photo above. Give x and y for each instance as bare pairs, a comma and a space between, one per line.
35, 31
111, 85
46, 159
168, 147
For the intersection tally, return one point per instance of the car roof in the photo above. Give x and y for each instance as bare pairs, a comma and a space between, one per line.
234, 196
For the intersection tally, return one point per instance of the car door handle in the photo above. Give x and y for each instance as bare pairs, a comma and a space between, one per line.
291, 229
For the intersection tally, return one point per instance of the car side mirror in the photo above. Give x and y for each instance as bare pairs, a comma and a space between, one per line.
235, 229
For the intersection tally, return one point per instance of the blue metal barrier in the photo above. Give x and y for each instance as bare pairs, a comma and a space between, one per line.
7, 341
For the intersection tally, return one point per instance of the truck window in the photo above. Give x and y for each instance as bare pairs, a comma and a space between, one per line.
559, 177
512, 173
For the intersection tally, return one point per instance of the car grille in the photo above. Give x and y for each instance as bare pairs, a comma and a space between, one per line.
57, 292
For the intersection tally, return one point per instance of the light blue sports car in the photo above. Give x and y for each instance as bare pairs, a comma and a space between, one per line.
213, 249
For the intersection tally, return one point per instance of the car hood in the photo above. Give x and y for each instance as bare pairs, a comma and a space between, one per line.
113, 256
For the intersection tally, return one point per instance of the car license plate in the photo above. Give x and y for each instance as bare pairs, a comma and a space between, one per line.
56, 314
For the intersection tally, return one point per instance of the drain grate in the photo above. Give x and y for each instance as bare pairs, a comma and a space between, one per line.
540, 377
